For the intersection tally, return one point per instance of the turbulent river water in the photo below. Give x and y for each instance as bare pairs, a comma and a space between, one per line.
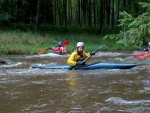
27, 90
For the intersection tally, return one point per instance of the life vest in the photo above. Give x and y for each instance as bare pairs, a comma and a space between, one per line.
59, 49
75, 57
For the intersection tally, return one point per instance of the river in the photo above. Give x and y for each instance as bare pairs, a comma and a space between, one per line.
27, 90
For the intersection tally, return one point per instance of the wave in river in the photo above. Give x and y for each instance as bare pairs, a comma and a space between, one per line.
120, 101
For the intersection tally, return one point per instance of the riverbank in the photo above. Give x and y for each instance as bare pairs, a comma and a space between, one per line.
21, 42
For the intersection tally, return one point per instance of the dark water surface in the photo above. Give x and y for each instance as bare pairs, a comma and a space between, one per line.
27, 90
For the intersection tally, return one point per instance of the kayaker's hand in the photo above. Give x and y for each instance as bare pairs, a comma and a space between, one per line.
92, 53
79, 63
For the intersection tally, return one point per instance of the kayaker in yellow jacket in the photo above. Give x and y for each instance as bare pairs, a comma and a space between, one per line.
78, 55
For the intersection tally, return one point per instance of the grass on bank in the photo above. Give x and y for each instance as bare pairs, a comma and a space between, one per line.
21, 42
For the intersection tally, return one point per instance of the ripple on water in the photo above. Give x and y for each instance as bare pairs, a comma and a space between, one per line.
120, 101
8, 80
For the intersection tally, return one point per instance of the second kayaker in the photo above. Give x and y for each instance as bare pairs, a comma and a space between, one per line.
60, 48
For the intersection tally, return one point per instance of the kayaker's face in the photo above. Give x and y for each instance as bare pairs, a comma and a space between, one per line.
80, 49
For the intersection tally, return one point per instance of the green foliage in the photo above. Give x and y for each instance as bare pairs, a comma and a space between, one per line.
135, 31
4, 19
18, 42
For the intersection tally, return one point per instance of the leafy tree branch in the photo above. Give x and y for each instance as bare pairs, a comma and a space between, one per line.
135, 30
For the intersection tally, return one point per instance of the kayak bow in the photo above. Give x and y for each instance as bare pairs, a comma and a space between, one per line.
142, 55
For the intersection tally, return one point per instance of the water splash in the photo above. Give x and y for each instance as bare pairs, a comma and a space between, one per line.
120, 101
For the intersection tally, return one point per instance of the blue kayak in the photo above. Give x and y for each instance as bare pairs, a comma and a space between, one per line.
87, 67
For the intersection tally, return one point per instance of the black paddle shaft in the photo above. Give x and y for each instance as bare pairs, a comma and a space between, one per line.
74, 67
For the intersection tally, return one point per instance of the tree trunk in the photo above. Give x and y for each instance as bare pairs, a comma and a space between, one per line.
79, 11
37, 16
102, 16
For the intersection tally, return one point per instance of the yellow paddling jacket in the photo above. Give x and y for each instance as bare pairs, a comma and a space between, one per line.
75, 57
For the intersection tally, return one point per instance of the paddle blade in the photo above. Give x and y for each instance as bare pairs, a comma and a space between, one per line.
67, 42
41, 51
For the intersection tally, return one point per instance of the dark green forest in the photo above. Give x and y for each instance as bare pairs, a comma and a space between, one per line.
29, 25
98, 14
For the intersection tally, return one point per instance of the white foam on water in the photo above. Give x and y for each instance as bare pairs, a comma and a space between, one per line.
45, 55
12, 65
120, 101
109, 54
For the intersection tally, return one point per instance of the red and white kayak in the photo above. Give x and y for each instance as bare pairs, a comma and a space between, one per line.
142, 55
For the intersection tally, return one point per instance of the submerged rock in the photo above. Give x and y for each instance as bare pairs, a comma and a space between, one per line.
4, 62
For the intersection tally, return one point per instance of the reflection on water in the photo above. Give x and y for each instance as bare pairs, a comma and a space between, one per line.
27, 90
72, 81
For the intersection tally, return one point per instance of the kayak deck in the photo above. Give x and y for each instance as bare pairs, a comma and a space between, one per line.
87, 67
